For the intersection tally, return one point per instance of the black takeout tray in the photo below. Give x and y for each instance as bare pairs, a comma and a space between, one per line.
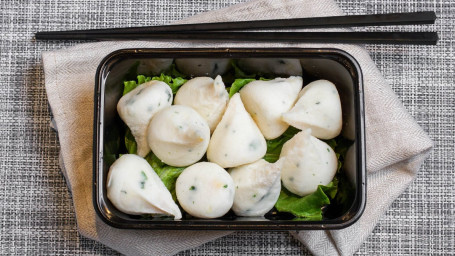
331, 64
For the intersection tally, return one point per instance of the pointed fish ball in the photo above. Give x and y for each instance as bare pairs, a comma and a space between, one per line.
134, 188
205, 190
236, 140
318, 108
276, 66
308, 162
266, 101
257, 187
205, 95
137, 108
203, 67
178, 135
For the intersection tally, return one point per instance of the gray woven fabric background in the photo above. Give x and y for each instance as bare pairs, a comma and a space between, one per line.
36, 212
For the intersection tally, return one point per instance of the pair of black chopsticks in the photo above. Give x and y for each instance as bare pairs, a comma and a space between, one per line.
229, 31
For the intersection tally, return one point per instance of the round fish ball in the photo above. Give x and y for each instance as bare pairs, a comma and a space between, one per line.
308, 162
257, 187
178, 135
205, 190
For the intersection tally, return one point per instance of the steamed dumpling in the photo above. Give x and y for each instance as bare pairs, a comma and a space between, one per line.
133, 187
203, 67
137, 108
257, 187
236, 140
205, 95
275, 66
178, 135
308, 162
318, 108
266, 101
205, 190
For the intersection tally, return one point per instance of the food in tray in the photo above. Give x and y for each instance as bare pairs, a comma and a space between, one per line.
266, 101
133, 187
250, 135
207, 96
236, 140
307, 163
318, 108
137, 108
178, 135
205, 190
257, 187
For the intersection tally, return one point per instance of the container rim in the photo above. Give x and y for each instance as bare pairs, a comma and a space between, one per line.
296, 52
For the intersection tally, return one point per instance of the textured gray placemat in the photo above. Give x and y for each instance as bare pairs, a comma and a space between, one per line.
36, 212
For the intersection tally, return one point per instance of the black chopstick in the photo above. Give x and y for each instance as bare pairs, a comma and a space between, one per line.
419, 38
388, 19
220, 30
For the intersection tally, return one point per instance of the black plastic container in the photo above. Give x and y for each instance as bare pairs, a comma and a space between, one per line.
331, 64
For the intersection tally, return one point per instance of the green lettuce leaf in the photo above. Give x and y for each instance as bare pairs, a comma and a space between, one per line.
155, 162
340, 145
172, 71
174, 83
309, 207
238, 84
130, 142
274, 146
130, 85
345, 195
142, 79
111, 144
164, 78
168, 174
331, 189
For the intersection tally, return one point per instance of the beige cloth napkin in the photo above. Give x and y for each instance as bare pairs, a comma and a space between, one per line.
396, 145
